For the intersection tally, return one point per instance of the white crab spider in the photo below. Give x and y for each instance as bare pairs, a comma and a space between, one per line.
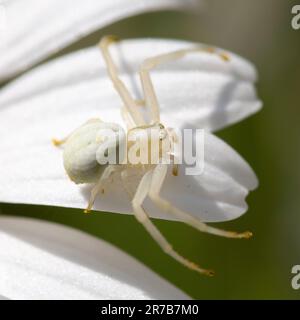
84, 147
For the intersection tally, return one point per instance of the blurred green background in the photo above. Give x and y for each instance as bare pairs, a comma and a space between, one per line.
260, 268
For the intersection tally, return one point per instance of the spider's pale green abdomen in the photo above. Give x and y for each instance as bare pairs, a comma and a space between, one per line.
80, 153
88, 148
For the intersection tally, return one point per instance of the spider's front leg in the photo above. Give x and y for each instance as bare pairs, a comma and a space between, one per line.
143, 218
129, 102
159, 175
155, 61
130, 124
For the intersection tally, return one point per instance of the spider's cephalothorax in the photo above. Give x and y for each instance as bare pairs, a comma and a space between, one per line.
88, 148
151, 143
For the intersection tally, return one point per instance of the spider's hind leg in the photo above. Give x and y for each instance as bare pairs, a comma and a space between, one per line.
57, 142
99, 187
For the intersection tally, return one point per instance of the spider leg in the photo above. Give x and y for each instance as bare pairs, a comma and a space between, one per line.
159, 175
98, 188
174, 141
143, 218
119, 85
151, 63
59, 142
127, 117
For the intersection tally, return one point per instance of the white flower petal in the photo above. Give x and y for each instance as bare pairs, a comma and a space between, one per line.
53, 100
33, 172
42, 260
35, 29
200, 90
